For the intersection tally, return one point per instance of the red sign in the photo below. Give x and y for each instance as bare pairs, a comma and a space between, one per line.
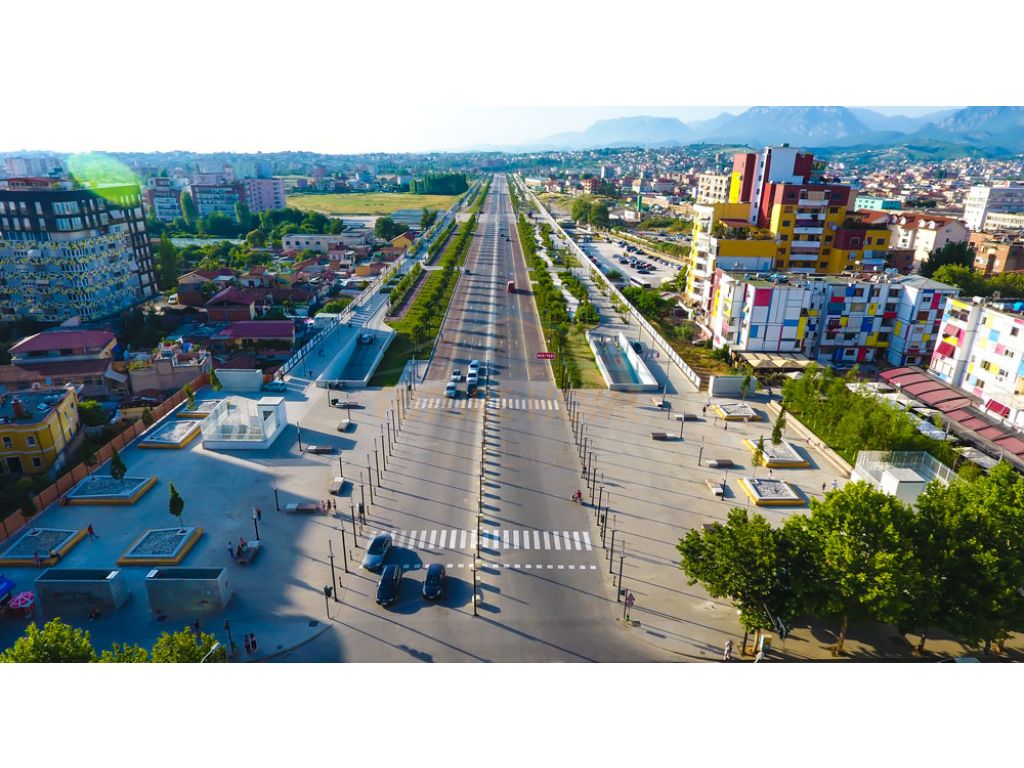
545, 355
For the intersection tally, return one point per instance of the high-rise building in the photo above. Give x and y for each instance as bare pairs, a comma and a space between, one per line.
214, 198
262, 194
997, 253
782, 216
712, 188
1001, 197
72, 252
163, 199
22, 167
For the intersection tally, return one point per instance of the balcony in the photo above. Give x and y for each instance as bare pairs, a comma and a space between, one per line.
811, 203
808, 230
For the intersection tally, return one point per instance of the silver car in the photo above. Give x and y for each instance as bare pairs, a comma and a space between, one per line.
377, 552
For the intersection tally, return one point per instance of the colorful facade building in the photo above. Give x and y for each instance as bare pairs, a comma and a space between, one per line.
781, 216
831, 319
68, 253
35, 428
981, 350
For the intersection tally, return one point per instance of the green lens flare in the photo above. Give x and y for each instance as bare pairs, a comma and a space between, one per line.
94, 170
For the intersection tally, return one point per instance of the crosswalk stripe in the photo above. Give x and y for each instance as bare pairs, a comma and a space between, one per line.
423, 540
515, 539
576, 538
547, 540
506, 539
536, 539
557, 406
586, 541
568, 544
462, 540
433, 539
556, 540
473, 539
442, 538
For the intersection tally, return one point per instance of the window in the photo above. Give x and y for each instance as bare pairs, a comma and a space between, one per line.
823, 265
787, 223
7, 442
1015, 331
36, 463
833, 210
31, 440
858, 307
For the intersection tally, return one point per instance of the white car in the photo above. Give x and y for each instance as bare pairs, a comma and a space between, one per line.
474, 366
456, 376
471, 379
451, 390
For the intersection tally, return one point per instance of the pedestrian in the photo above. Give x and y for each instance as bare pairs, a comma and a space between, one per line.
725, 425
91, 532
835, 484
823, 488
248, 645
252, 642
231, 551
727, 656
704, 411
769, 473
259, 515
37, 558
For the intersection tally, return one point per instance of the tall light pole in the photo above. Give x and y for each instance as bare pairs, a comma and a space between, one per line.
256, 522
330, 551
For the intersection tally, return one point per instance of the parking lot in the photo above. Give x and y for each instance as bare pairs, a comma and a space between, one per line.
607, 254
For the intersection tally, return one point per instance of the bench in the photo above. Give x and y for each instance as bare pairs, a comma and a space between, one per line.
337, 486
345, 425
716, 487
721, 463
305, 507
659, 402
319, 449
686, 417
248, 554
660, 436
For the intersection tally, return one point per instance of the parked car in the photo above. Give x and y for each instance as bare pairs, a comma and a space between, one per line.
637, 347
451, 390
433, 582
456, 375
377, 552
721, 463
471, 378
390, 583
474, 366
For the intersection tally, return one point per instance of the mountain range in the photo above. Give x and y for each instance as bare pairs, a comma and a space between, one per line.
998, 129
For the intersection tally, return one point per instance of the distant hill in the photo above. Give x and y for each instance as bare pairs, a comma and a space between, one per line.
622, 132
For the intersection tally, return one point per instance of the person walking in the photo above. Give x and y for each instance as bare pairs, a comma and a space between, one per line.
231, 551
259, 515
823, 488
727, 656
91, 532
725, 425
704, 411
248, 645
835, 485
37, 558
252, 642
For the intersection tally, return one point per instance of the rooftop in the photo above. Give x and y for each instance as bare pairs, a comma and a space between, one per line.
29, 406
52, 341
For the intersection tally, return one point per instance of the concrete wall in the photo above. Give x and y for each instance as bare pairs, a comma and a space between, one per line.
163, 375
240, 379
188, 590
729, 386
76, 592
648, 381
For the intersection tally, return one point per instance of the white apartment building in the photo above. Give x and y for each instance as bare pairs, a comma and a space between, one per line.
923, 233
712, 188
1000, 222
1001, 197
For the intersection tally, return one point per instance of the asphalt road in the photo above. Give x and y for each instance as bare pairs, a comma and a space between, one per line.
544, 596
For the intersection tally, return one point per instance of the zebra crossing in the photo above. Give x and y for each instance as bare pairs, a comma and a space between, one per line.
497, 403
509, 539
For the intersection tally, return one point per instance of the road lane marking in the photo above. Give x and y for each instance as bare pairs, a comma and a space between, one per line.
586, 541
433, 538
568, 544
576, 538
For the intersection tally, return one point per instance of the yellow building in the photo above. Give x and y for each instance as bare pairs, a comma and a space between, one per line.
35, 428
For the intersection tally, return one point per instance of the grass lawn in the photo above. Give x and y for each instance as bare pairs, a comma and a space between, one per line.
583, 355
698, 358
370, 202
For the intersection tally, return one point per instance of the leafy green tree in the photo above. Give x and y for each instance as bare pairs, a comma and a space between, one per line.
190, 397
56, 642
245, 218
959, 254
167, 259
93, 414
120, 653
963, 277
745, 386
778, 427
147, 417
257, 238
427, 219
188, 210
580, 211
598, 216
758, 458
183, 647
215, 384
743, 560
862, 542
587, 314
387, 228
219, 225
175, 504
117, 468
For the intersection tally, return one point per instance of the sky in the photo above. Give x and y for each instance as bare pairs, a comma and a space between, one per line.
334, 129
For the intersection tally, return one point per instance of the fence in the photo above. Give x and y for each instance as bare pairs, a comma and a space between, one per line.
18, 520
599, 278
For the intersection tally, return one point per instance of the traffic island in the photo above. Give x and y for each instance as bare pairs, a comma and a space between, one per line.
769, 492
736, 412
781, 456
171, 434
41, 546
102, 489
161, 546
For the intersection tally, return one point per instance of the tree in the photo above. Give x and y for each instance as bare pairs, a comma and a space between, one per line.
124, 654
117, 468
190, 396
183, 647
778, 427
951, 253
587, 314
862, 547
188, 210
387, 228
176, 504
427, 219
88, 452
56, 642
966, 279
93, 414
580, 210
598, 215
167, 259
245, 218
215, 384
336, 306
745, 386
758, 459
743, 560
147, 416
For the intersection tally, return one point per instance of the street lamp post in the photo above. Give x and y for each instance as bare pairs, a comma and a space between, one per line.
330, 551
277, 501
600, 497
700, 453
328, 591
231, 642
376, 460
344, 559
256, 522
610, 552
394, 424
355, 539
298, 433
383, 455
618, 593
369, 473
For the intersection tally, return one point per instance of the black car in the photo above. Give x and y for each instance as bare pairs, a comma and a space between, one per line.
390, 582
433, 584
637, 347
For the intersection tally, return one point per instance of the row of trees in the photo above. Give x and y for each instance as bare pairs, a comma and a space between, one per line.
551, 304
439, 184
955, 562
850, 421
586, 312
404, 286
427, 219
57, 642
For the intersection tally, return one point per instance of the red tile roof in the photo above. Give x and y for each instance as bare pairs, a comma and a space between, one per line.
51, 341
259, 329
